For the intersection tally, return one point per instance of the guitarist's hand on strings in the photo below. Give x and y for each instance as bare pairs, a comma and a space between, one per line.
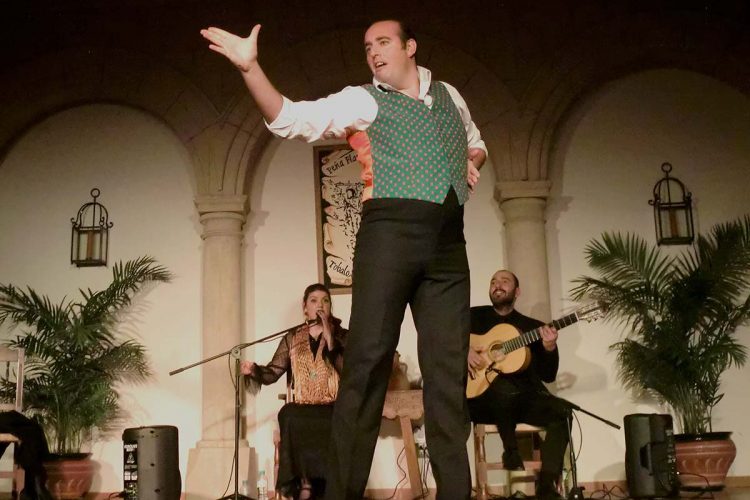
477, 360
549, 337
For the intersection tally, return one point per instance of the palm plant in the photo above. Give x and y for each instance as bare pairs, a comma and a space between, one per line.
76, 356
682, 312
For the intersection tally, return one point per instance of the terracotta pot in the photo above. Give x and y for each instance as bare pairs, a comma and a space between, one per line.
69, 476
703, 460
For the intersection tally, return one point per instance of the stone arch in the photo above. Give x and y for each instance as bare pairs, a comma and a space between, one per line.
682, 41
74, 77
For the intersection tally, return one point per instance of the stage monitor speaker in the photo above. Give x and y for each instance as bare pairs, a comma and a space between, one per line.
151, 463
650, 464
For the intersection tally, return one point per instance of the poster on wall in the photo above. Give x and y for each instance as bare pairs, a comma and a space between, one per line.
339, 205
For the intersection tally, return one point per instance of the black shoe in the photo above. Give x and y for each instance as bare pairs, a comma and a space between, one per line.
512, 460
546, 487
42, 493
549, 495
518, 495
38, 492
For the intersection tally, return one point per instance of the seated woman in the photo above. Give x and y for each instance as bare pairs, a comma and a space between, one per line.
312, 358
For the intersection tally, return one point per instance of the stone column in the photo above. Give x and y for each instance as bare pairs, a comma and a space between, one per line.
523, 204
210, 462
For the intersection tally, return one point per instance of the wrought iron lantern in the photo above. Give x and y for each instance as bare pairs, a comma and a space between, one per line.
673, 210
89, 240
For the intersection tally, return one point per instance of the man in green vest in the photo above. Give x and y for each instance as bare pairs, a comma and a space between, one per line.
421, 155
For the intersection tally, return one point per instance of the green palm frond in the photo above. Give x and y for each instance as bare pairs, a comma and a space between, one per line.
126, 279
76, 357
680, 314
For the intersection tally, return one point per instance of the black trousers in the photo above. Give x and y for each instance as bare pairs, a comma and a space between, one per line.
533, 407
408, 252
33, 449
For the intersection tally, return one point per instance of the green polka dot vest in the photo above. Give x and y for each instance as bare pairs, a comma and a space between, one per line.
418, 153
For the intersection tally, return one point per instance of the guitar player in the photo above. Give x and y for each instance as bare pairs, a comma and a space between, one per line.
520, 397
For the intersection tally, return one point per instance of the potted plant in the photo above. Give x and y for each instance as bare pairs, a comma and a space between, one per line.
681, 312
76, 358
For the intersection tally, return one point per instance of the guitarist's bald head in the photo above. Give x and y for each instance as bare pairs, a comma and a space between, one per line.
515, 278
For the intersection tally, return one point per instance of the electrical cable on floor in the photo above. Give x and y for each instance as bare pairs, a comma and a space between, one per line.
400, 482
706, 493
580, 437
608, 493
423, 473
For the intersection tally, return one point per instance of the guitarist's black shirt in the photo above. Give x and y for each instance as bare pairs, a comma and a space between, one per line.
522, 398
543, 366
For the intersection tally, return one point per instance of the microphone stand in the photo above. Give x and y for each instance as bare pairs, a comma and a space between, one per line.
235, 353
576, 492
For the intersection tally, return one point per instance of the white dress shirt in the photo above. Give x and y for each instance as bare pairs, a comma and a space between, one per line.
353, 109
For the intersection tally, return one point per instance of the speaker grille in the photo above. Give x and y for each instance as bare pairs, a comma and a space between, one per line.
650, 464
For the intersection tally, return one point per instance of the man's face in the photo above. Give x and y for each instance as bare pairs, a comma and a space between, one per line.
503, 289
389, 58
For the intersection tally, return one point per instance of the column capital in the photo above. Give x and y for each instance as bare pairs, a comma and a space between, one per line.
236, 203
508, 190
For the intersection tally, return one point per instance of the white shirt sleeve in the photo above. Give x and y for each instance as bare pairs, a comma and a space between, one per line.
332, 117
473, 136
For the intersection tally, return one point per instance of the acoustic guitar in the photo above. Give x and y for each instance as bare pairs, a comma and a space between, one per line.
506, 348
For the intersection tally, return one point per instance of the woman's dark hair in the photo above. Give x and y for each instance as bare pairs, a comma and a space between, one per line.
315, 287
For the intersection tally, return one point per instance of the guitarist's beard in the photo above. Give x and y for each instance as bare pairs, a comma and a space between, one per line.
504, 301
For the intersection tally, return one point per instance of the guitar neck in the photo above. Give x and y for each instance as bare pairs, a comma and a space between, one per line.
533, 335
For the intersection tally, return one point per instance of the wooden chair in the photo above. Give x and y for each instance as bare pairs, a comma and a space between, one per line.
12, 363
286, 397
532, 464
276, 447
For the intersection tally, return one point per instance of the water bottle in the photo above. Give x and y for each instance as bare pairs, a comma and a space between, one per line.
245, 489
262, 485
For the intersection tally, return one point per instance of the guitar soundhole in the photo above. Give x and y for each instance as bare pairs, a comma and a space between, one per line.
495, 352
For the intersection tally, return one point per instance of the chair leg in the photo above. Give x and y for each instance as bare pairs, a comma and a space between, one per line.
19, 477
480, 462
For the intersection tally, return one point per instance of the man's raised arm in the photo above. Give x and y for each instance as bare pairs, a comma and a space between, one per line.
243, 53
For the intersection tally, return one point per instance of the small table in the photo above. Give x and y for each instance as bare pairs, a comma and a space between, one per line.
407, 406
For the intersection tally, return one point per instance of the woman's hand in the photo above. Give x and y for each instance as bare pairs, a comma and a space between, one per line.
325, 322
247, 367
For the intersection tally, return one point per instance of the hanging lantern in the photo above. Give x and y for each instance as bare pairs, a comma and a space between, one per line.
89, 241
673, 210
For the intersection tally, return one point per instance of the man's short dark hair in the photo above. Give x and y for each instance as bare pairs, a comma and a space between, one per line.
405, 33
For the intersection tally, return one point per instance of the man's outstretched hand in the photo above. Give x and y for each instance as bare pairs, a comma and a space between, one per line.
242, 52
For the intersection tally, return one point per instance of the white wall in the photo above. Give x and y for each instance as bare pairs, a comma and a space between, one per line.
144, 176
603, 173
607, 163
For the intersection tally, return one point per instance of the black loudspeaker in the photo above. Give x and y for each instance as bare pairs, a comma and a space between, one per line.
650, 464
151, 463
